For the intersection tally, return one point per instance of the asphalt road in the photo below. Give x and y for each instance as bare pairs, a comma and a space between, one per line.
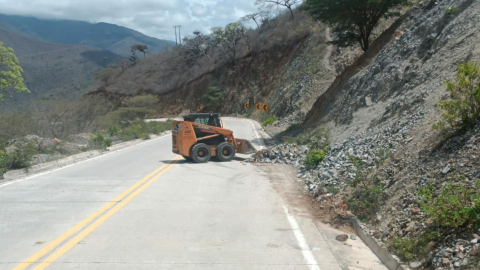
147, 208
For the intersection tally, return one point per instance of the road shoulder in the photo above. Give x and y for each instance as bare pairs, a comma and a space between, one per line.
349, 254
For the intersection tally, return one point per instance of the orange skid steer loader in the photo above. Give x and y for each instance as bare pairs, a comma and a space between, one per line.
201, 136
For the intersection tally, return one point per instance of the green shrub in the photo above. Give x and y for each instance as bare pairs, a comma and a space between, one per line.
113, 130
409, 248
20, 158
316, 138
158, 127
134, 131
356, 161
314, 157
383, 154
313, 67
464, 106
405, 247
332, 189
293, 127
99, 141
288, 139
4, 162
451, 12
146, 101
140, 129
269, 121
107, 143
454, 206
129, 114
212, 97
366, 196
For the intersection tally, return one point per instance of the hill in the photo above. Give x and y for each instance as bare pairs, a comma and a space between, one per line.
105, 36
54, 70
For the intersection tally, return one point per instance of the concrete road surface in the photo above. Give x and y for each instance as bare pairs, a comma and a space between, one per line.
147, 208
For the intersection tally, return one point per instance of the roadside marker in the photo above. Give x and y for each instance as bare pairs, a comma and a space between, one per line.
258, 106
265, 107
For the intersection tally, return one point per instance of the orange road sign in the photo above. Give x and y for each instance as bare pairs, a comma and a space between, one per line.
265, 107
258, 106
199, 108
247, 106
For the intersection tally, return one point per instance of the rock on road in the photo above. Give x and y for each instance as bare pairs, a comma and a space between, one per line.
146, 208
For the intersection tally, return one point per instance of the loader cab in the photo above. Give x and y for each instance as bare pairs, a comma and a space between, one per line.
211, 119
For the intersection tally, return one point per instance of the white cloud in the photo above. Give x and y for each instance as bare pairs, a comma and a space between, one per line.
152, 17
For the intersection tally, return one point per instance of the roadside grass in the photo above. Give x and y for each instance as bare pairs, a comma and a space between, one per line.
23, 154
268, 121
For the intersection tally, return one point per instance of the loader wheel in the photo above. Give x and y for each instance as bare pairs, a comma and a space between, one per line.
201, 153
225, 151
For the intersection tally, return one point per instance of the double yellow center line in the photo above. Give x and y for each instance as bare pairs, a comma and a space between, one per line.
62, 244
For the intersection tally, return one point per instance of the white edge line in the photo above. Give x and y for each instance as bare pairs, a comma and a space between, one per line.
256, 134
76, 163
302, 242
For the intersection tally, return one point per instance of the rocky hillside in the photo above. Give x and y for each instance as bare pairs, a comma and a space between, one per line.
114, 38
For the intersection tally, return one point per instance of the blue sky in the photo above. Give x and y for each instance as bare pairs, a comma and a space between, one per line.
152, 17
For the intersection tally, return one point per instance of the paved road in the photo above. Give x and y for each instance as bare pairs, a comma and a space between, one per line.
147, 208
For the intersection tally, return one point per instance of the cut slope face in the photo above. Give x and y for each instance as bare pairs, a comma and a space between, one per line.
54, 70
407, 75
100, 35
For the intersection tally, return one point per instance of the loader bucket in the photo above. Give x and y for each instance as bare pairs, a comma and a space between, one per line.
244, 147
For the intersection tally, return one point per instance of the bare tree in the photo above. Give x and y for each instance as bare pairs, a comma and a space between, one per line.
134, 58
226, 39
105, 75
139, 47
123, 64
197, 47
290, 4
255, 17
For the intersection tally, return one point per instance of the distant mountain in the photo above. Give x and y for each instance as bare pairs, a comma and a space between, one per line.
105, 36
53, 70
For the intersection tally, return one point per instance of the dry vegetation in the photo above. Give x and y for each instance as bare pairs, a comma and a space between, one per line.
203, 54
54, 127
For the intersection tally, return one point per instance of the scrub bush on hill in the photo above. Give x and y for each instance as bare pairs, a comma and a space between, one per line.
141, 129
314, 157
100, 142
268, 121
453, 205
146, 101
463, 107
366, 196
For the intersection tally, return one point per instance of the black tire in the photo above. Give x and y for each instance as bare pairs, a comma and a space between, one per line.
201, 153
225, 151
